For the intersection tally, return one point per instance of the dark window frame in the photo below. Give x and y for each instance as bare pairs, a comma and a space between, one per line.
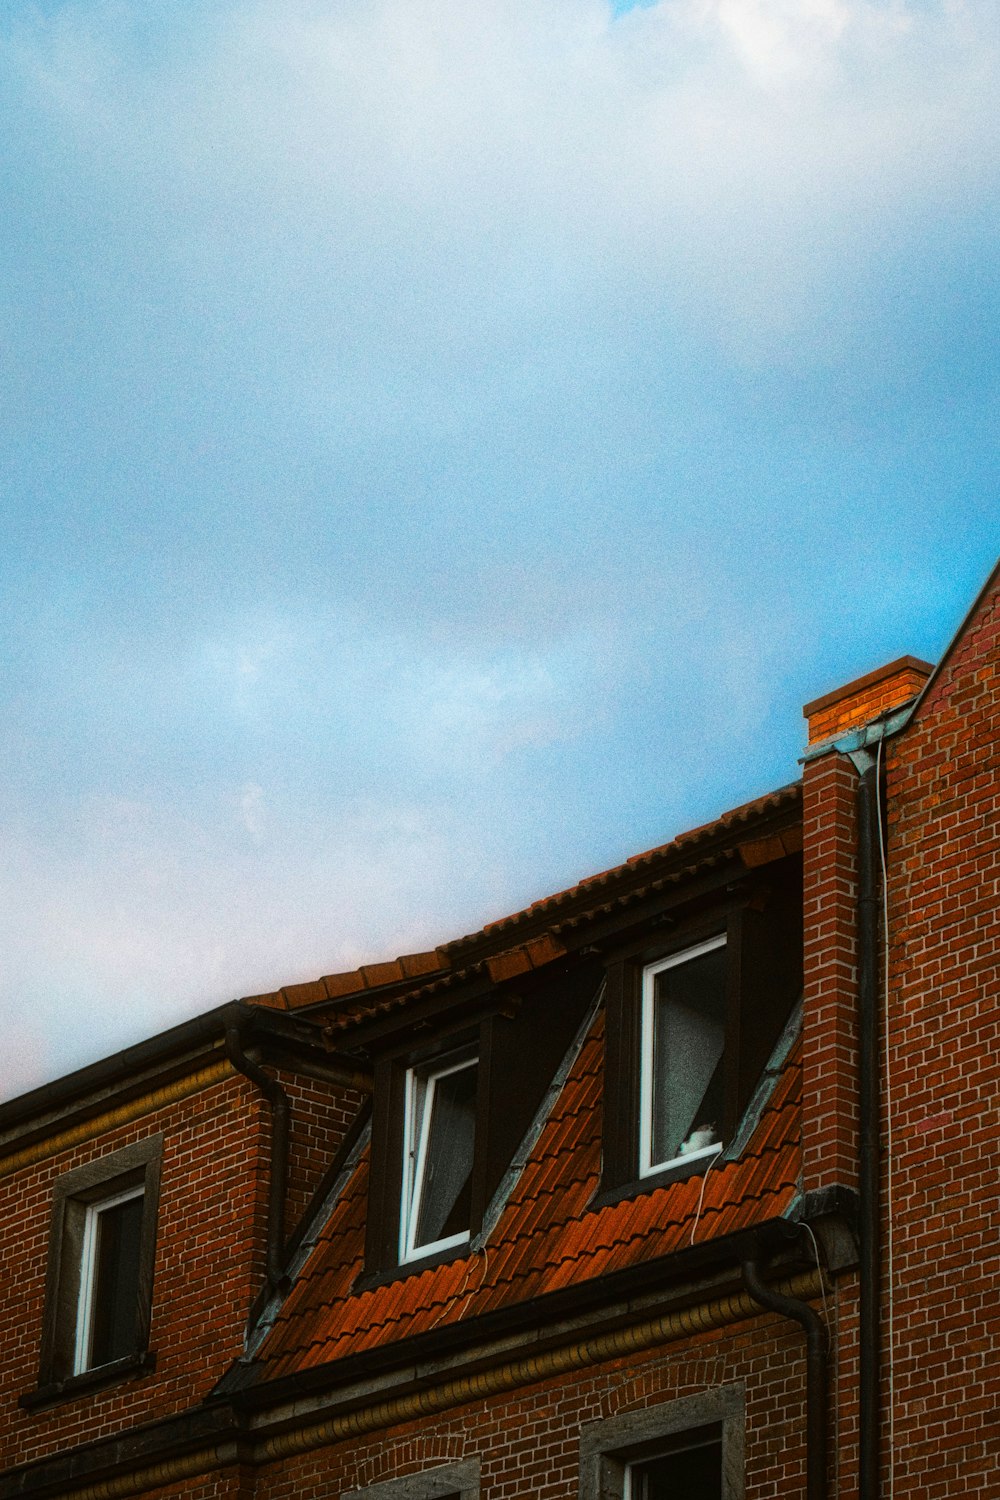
520, 1033
609, 1447
763, 981
138, 1166
385, 1192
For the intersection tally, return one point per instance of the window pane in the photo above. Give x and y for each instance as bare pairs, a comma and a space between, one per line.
692, 1475
116, 1282
689, 1016
445, 1166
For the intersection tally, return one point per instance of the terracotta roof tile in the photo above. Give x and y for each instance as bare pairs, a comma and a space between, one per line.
546, 1237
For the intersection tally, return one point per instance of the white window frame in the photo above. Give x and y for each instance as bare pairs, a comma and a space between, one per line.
646, 1165
415, 1157
88, 1274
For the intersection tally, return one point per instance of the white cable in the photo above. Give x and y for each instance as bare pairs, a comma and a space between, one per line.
890, 1292
822, 1282
701, 1195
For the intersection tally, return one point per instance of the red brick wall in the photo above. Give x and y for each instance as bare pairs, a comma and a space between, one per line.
863, 700
208, 1267
321, 1115
944, 978
529, 1443
829, 1030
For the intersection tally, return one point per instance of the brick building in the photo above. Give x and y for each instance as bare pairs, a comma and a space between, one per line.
667, 1186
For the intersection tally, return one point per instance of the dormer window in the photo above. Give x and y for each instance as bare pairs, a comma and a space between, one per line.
454, 1094
692, 1016
439, 1139
682, 1098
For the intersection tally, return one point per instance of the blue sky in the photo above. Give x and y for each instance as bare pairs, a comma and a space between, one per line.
444, 446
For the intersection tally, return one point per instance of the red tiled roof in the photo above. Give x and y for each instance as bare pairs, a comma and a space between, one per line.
516, 943
546, 1237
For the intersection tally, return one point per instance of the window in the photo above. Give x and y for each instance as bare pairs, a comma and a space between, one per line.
453, 1097
438, 1148
692, 1019
689, 1449
100, 1270
692, 1469
682, 1099
109, 1280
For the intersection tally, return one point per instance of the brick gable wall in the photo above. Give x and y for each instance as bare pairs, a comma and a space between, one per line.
944, 978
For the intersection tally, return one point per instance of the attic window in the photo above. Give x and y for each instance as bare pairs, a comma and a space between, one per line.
683, 1041
691, 1020
439, 1139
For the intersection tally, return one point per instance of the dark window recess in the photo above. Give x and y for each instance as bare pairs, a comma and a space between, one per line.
691, 1023
692, 1474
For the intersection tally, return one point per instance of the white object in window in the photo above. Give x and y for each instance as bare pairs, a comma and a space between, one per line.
438, 1148
109, 1280
681, 1095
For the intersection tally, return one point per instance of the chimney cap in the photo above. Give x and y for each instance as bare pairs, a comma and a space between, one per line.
865, 698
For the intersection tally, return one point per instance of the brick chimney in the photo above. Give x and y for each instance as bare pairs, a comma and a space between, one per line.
865, 698
829, 786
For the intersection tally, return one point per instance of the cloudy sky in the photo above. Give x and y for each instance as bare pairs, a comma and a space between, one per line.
444, 444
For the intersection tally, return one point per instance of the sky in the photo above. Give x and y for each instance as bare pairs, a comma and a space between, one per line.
442, 448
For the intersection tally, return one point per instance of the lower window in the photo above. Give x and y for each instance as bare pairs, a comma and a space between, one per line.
692, 1470
689, 1449
109, 1280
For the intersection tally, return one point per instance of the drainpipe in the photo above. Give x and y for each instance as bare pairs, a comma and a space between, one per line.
816, 1371
869, 1186
277, 1187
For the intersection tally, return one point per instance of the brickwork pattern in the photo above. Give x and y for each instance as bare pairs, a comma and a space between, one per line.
829, 1029
944, 987
861, 702
528, 1443
321, 1114
209, 1264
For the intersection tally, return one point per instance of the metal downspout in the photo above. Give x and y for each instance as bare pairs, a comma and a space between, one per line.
277, 1187
869, 1163
816, 1372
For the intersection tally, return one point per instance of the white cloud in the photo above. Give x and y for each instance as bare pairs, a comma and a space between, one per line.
353, 161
